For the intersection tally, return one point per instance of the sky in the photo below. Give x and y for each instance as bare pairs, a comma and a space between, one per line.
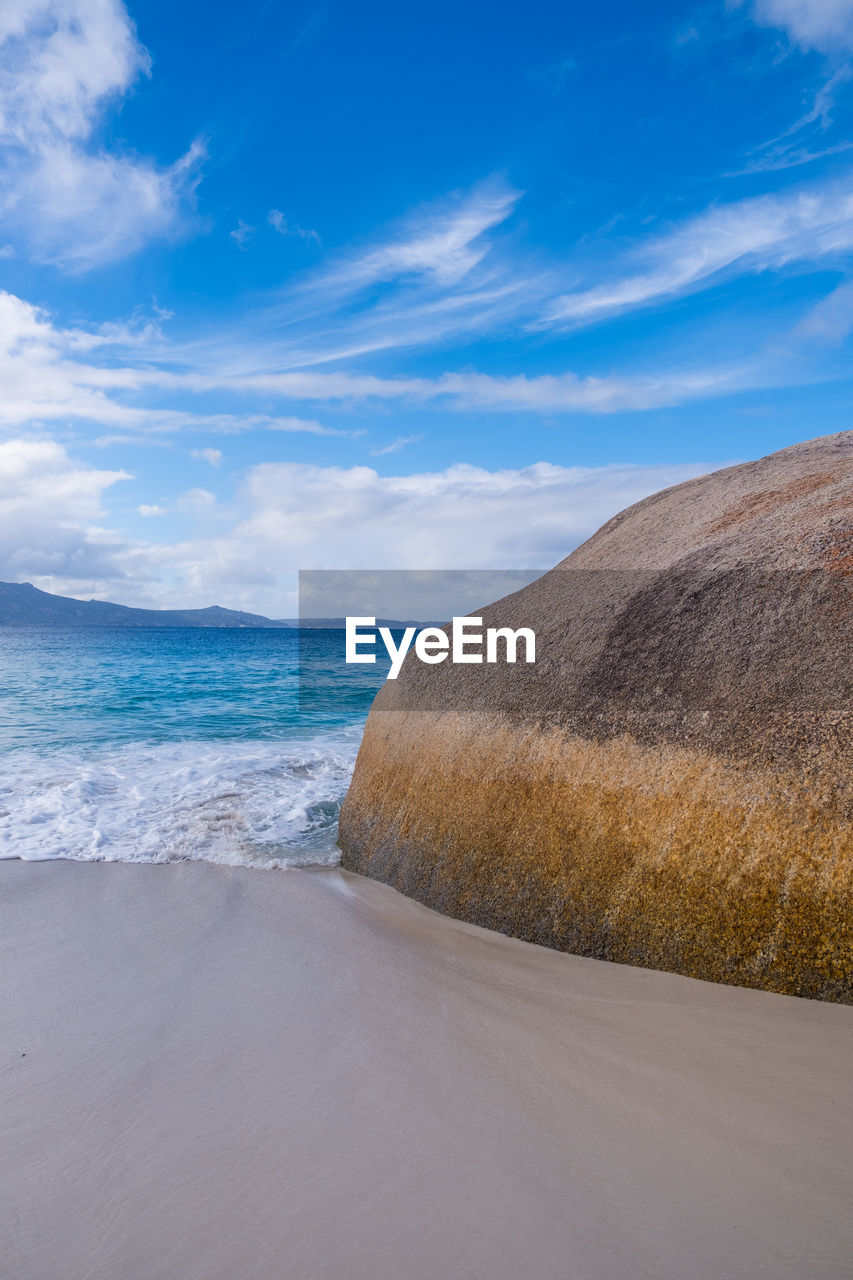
379, 286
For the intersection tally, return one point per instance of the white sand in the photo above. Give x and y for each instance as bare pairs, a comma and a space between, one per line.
248, 1075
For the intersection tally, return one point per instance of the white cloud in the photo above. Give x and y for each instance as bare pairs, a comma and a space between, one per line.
788, 157
287, 516
62, 58
568, 393
546, 393
290, 516
396, 445
75, 203
802, 142
439, 272
242, 233
213, 456
48, 375
825, 25
445, 242
823, 105
297, 516
287, 424
761, 233
465, 516
286, 227
831, 320
132, 381
43, 375
49, 506
198, 500
452, 271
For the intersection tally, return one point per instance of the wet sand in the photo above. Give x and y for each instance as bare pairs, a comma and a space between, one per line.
221, 1074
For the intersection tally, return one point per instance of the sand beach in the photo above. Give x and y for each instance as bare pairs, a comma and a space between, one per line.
212, 1072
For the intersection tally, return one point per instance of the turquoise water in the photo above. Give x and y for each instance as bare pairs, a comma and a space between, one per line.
154, 744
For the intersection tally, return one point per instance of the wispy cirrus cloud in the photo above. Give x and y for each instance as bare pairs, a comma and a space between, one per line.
773, 158
831, 319
444, 243
49, 374
808, 225
823, 104
803, 142
396, 446
52, 375
438, 273
548, 393
69, 199
455, 273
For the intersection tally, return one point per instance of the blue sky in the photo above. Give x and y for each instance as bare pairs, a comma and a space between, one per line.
406, 286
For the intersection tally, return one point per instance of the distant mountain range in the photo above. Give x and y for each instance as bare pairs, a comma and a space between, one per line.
23, 605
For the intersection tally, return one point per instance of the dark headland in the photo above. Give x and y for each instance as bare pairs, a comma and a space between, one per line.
23, 605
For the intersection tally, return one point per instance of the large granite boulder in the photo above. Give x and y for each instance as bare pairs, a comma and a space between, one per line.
670, 783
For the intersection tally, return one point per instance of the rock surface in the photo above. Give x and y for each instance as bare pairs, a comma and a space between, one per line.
670, 784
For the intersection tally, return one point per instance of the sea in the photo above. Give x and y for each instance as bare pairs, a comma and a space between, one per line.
232, 746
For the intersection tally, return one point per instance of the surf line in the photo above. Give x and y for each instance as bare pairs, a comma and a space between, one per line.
433, 644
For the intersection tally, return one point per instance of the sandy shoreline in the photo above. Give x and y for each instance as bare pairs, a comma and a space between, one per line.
210, 1073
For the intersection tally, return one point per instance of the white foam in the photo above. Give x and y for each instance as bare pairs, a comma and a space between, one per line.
270, 804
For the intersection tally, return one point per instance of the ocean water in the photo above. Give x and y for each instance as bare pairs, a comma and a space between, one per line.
150, 745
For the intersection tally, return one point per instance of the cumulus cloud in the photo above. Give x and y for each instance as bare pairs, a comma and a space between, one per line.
63, 62
286, 516
464, 516
824, 25
298, 516
49, 506
47, 374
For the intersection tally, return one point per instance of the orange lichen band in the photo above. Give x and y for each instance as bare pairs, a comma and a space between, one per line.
660, 856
